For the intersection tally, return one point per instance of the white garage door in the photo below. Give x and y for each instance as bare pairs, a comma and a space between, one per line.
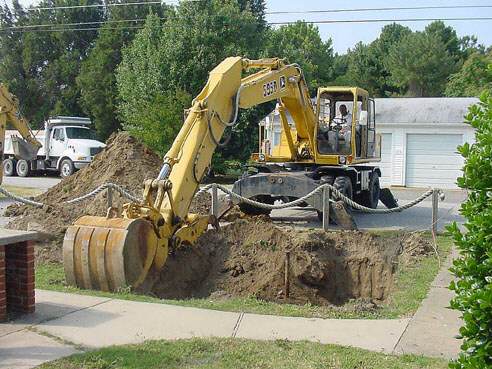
386, 156
433, 160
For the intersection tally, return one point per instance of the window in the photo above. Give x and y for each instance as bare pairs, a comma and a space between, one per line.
276, 138
80, 133
58, 134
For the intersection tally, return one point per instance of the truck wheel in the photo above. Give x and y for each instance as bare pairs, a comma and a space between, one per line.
23, 168
253, 210
66, 168
9, 167
370, 197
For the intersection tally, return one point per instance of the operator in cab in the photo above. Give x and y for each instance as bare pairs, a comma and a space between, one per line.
344, 118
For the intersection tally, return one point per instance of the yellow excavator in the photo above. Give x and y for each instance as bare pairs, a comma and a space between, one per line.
24, 148
317, 146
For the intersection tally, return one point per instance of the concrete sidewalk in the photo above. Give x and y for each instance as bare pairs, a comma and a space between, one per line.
67, 323
433, 328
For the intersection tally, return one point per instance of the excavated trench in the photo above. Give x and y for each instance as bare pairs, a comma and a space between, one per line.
247, 258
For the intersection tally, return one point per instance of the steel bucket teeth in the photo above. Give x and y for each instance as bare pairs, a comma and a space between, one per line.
108, 254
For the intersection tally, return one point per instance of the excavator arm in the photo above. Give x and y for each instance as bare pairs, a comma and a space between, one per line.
9, 112
111, 253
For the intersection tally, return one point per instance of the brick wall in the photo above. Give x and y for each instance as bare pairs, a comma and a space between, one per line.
3, 296
18, 279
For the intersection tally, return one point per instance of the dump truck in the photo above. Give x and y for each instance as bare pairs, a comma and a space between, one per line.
128, 247
68, 144
25, 147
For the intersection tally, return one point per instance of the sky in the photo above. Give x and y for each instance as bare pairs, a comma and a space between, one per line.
346, 35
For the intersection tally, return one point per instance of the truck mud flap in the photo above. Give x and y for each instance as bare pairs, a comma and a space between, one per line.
387, 198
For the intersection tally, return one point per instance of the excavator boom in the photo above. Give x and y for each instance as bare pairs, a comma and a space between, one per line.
9, 113
113, 253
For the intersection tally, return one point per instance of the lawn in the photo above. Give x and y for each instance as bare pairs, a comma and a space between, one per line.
21, 191
239, 354
411, 286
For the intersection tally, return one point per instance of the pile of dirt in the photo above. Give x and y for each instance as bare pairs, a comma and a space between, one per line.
247, 258
124, 161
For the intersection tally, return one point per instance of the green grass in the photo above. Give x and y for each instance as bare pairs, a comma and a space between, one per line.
411, 286
21, 191
239, 354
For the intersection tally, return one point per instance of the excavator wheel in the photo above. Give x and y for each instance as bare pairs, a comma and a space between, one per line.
108, 254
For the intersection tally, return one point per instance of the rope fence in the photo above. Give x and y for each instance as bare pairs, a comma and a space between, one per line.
330, 195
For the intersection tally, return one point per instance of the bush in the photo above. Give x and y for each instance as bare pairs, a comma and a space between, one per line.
474, 268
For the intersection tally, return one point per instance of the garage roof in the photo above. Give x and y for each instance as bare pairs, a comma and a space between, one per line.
407, 110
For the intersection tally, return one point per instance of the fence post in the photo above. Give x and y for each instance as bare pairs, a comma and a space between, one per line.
435, 210
109, 194
287, 275
326, 208
215, 201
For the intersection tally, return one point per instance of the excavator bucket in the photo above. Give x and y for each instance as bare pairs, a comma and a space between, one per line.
108, 254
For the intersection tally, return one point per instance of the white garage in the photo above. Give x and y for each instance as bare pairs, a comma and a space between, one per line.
420, 138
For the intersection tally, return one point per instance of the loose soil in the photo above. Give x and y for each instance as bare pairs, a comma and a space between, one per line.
124, 161
248, 257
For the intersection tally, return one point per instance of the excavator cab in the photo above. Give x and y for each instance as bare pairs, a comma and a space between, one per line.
346, 127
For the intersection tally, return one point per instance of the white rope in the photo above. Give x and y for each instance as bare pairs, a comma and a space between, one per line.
93, 193
335, 191
337, 195
20, 198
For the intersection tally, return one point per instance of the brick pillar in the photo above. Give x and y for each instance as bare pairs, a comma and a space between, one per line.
3, 295
19, 270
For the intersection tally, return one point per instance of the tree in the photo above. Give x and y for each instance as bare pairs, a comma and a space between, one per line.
161, 119
141, 75
301, 43
473, 269
448, 37
367, 63
43, 70
420, 64
472, 78
97, 80
176, 56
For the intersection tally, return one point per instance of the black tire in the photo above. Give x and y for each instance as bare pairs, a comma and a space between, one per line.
344, 185
9, 167
253, 210
66, 168
23, 168
370, 197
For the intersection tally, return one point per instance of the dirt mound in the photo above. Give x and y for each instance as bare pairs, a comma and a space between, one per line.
124, 161
247, 258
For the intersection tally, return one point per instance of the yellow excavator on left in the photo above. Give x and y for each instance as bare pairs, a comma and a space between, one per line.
9, 113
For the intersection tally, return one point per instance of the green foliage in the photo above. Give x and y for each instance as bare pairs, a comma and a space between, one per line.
366, 63
160, 120
448, 37
421, 64
96, 80
474, 268
301, 43
178, 54
473, 77
41, 67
